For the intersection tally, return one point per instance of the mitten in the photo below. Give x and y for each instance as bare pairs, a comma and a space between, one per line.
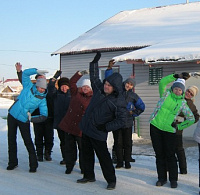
57, 74
174, 124
97, 57
42, 72
185, 75
29, 116
101, 127
84, 72
176, 76
194, 74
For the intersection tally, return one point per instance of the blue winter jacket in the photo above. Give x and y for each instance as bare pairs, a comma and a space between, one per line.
29, 100
107, 111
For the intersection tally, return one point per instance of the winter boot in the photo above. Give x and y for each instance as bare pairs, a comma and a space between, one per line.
62, 148
119, 165
127, 165
39, 154
47, 155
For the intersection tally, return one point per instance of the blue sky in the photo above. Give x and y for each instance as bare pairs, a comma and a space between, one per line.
32, 29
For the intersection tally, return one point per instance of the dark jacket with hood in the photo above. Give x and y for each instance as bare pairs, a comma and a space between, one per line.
105, 112
61, 102
135, 106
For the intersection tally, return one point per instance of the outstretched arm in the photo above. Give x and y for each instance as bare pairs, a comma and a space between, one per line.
94, 73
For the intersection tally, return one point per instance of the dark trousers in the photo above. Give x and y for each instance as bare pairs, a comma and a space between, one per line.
44, 136
199, 164
12, 141
164, 145
71, 143
123, 144
180, 152
61, 136
90, 146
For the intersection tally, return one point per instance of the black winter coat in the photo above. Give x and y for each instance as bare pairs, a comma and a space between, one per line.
108, 111
139, 106
61, 102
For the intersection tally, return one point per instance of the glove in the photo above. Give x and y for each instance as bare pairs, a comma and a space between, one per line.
84, 72
42, 72
185, 75
29, 116
101, 127
194, 74
57, 74
176, 76
174, 124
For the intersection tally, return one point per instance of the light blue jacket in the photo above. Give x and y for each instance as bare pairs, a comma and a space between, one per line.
29, 100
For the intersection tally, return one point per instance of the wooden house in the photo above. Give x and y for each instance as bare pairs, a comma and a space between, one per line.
161, 41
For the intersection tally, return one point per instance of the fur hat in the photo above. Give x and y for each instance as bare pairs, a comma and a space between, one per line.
180, 83
42, 83
130, 80
63, 81
86, 82
194, 89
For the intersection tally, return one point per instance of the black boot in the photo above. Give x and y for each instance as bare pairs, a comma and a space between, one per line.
97, 57
47, 155
62, 148
39, 154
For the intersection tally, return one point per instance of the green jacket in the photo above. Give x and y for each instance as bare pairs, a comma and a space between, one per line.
168, 108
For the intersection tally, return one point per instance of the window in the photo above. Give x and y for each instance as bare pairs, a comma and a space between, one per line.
155, 75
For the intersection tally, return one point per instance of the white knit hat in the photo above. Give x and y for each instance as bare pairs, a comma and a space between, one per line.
86, 82
194, 89
180, 83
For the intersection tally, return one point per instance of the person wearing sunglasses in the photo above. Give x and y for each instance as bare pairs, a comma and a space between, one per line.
190, 95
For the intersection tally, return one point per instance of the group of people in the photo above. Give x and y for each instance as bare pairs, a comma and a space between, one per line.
84, 115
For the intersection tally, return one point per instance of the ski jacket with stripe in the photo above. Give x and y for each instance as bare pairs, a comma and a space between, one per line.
169, 107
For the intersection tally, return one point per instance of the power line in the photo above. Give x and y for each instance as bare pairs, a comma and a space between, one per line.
13, 50
26, 66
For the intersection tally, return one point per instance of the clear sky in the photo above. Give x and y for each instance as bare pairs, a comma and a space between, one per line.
30, 30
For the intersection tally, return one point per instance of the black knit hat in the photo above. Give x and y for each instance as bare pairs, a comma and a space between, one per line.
63, 81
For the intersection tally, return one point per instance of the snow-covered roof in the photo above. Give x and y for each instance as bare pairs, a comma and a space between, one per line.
165, 52
166, 28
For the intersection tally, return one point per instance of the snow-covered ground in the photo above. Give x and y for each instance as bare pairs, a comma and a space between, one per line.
50, 177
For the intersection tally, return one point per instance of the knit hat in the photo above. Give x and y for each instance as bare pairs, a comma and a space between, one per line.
86, 82
130, 80
63, 81
194, 89
180, 83
42, 83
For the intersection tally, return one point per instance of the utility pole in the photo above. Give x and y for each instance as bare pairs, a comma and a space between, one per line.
187, 1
